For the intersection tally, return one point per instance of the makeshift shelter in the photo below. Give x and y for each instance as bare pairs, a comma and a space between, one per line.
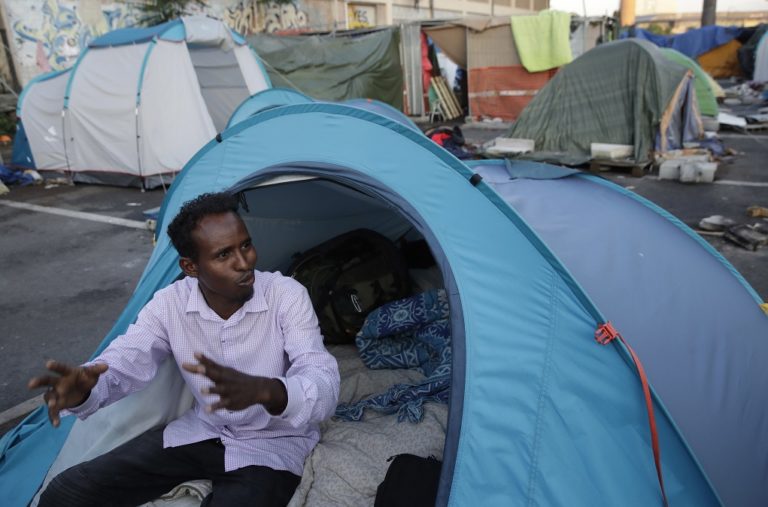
535, 262
702, 83
498, 84
646, 101
336, 67
138, 103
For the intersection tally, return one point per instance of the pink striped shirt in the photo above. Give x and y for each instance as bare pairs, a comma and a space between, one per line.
275, 334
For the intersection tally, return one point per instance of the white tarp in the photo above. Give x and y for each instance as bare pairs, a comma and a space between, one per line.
41, 116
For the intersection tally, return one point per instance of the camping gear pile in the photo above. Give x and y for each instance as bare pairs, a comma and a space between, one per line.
553, 308
137, 104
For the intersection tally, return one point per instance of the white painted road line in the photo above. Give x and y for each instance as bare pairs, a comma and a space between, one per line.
741, 183
135, 224
21, 409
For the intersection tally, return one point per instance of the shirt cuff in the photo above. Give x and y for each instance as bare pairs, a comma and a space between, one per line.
295, 395
86, 408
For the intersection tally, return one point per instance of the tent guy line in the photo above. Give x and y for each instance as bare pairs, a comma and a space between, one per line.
135, 224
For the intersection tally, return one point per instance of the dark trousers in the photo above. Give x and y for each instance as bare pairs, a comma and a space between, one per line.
141, 470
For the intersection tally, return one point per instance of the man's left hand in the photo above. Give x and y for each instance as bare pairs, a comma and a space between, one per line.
238, 390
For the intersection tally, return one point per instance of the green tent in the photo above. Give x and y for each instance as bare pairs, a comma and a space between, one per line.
336, 67
701, 83
622, 92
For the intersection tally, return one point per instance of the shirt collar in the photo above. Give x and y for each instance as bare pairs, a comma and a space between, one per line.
197, 303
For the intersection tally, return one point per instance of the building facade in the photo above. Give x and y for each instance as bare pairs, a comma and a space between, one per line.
48, 35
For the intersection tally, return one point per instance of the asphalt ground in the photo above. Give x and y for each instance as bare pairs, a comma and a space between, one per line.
64, 280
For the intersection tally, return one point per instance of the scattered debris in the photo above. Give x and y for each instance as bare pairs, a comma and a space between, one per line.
687, 166
506, 145
611, 151
715, 223
57, 182
747, 236
731, 120
757, 211
3, 188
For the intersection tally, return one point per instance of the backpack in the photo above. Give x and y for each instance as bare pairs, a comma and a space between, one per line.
411, 481
349, 276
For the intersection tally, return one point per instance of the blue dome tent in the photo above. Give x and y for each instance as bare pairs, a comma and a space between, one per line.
534, 266
275, 97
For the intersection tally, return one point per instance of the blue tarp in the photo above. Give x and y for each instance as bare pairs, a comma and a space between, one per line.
692, 43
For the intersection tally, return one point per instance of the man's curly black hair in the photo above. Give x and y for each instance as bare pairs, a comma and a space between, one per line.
180, 229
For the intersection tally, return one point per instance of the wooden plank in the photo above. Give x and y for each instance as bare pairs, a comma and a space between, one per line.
449, 102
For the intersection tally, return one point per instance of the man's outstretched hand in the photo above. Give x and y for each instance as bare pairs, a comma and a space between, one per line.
70, 388
237, 390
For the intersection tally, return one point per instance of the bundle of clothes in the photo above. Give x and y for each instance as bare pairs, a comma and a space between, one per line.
408, 333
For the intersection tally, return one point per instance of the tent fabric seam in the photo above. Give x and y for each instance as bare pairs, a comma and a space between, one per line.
552, 325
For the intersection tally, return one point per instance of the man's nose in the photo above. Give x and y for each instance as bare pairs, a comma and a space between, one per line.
241, 261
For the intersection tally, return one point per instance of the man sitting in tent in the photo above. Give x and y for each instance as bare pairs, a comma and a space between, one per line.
250, 350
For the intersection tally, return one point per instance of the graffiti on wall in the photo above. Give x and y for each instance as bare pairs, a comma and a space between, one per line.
248, 17
50, 34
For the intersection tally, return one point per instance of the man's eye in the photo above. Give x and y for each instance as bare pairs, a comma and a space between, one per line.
223, 255
246, 245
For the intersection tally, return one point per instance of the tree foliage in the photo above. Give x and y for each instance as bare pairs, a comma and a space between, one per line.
155, 12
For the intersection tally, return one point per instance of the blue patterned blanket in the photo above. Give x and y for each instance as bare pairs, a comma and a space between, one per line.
409, 333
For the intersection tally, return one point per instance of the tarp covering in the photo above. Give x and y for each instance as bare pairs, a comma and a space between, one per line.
722, 61
704, 94
583, 104
336, 67
691, 43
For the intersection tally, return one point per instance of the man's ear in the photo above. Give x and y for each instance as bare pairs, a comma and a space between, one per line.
188, 266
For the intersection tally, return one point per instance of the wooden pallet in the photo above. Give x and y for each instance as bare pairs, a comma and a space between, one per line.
635, 169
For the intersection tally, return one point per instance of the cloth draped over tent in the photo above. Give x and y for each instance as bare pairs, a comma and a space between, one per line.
543, 40
701, 83
348, 65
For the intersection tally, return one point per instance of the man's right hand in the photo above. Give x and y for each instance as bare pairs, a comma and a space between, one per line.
70, 388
